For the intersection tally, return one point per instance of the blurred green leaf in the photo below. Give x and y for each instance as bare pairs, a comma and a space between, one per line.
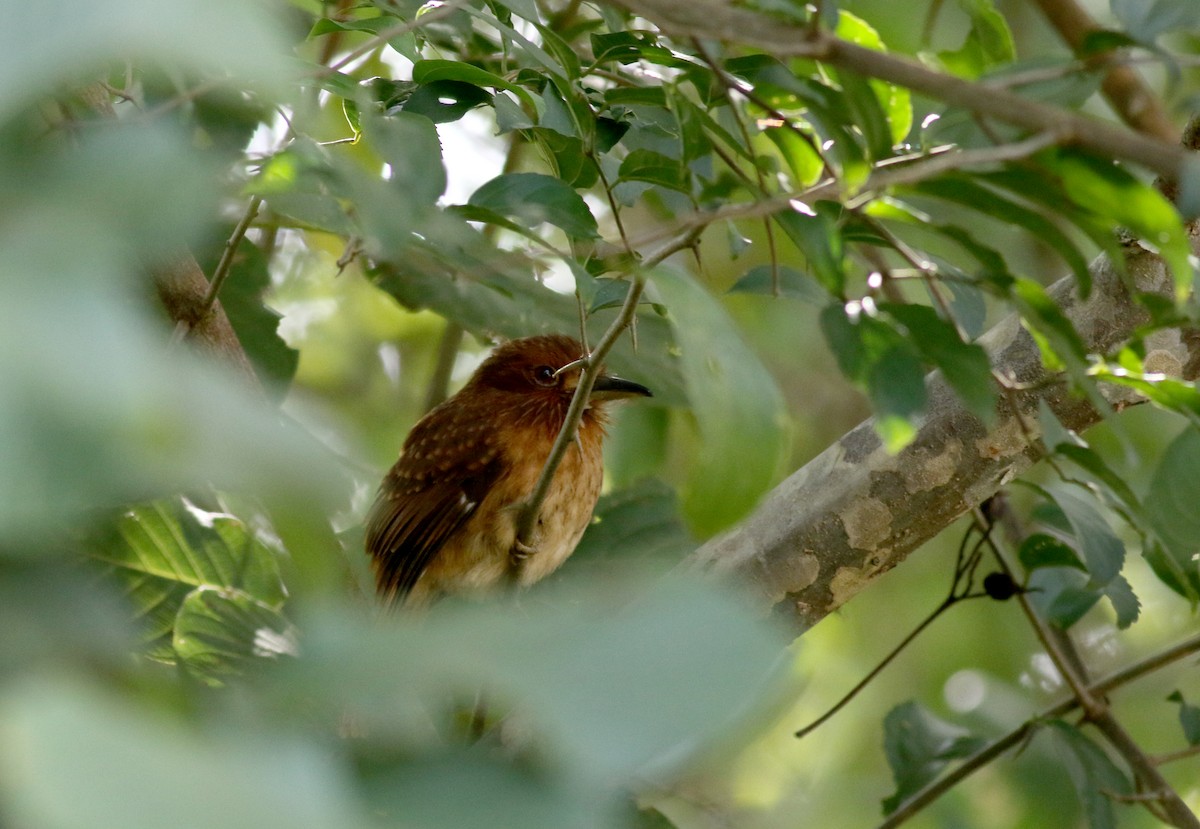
895, 101
614, 679
738, 408
222, 35
882, 362
1103, 187
818, 238
989, 42
537, 198
639, 523
1146, 20
965, 191
1061, 594
918, 746
79, 758
409, 143
1095, 777
1170, 502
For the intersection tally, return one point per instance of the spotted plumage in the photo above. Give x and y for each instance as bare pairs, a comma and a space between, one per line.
445, 517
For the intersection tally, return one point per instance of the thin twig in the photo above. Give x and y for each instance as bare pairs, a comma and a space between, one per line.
994, 749
895, 172
183, 326
591, 365
960, 590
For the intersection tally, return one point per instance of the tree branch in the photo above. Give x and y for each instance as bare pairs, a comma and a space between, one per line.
716, 20
994, 749
1123, 88
854, 511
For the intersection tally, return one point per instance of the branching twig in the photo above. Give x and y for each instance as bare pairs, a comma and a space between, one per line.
719, 21
1097, 711
993, 750
960, 589
891, 173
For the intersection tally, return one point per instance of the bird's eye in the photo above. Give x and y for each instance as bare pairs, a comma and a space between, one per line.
544, 376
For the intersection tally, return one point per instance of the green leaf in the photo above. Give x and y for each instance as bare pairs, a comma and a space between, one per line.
967, 192
1146, 20
1047, 318
1189, 718
445, 101
1094, 775
1110, 191
964, 365
1170, 507
254, 322
918, 746
895, 100
1042, 550
988, 44
1125, 602
491, 293
655, 168
802, 158
738, 408
817, 236
242, 39
79, 757
1061, 595
896, 386
1103, 552
792, 283
605, 693
219, 631
429, 71
162, 551
535, 198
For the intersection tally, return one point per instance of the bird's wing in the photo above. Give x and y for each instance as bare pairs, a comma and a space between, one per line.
446, 469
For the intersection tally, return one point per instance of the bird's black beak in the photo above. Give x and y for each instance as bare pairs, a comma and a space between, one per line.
614, 388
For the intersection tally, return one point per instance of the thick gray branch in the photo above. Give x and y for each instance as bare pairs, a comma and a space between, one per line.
854, 512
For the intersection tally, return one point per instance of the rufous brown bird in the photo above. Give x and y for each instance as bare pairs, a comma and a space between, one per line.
445, 518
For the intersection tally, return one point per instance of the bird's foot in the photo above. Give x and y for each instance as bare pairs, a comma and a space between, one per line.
520, 551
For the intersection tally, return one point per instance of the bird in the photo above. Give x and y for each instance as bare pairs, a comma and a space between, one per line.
444, 521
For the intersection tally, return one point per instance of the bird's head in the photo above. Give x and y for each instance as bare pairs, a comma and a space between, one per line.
542, 368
